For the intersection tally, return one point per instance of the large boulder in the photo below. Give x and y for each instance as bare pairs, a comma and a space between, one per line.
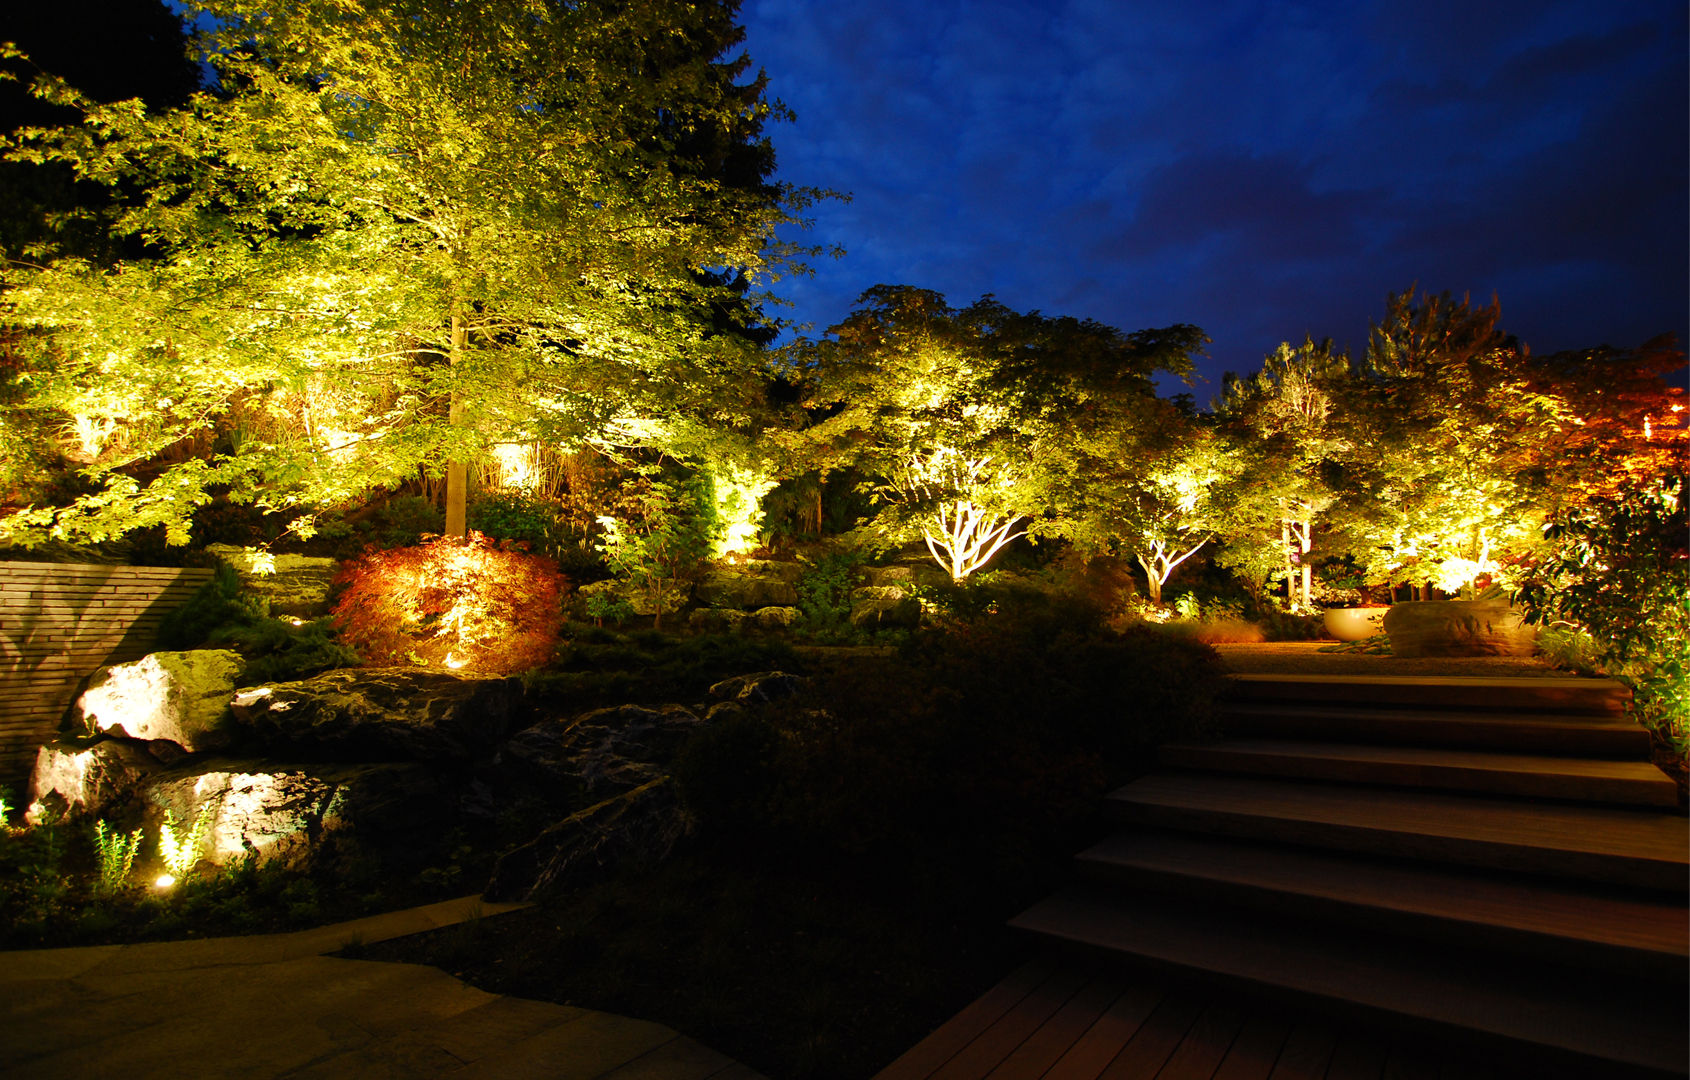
383, 714
594, 755
712, 620
751, 584
71, 780
875, 607
776, 618
640, 825
182, 697
1488, 626
301, 815
293, 584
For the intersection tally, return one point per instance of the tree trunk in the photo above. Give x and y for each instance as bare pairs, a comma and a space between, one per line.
457, 472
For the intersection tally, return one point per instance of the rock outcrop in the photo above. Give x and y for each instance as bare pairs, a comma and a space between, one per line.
300, 814
876, 607
382, 714
775, 618
751, 584
72, 781
594, 755
639, 825
182, 697
299, 584
758, 687
716, 620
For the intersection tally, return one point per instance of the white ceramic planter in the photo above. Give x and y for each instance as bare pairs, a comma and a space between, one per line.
1355, 623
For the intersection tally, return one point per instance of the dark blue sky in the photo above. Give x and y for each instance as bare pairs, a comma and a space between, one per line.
1259, 169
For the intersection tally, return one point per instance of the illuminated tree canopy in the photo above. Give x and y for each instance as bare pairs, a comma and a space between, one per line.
401, 232
1283, 425
983, 423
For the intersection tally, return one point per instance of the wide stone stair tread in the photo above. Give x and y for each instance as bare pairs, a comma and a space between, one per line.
1628, 847
1601, 1022
1640, 934
1573, 695
1637, 783
1572, 734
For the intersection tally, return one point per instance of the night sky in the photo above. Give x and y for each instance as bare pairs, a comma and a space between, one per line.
1263, 170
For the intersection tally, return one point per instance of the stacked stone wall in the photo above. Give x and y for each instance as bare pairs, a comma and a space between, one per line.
59, 623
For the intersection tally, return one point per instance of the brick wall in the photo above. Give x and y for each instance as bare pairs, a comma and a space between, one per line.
61, 622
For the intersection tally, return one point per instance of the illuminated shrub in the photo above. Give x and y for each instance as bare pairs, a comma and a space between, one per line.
460, 604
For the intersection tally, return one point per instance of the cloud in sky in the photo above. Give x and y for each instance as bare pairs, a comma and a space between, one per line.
1260, 169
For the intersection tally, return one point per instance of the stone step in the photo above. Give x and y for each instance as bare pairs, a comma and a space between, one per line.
1564, 1019
1630, 783
1589, 736
1628, 933
1603, 697
1634, 847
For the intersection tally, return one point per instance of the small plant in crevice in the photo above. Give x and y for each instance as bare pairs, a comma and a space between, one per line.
824, 592
115, 854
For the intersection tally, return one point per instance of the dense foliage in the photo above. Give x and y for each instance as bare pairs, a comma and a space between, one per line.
331, 293
1619, 569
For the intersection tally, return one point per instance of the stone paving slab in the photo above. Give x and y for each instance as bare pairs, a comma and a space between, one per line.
273, 1006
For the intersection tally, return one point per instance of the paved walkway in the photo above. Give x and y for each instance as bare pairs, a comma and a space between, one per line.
274, 1006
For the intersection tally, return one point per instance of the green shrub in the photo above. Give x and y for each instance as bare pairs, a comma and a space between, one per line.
1617, 568
405, 519
544, 524
824, 589
219, 603
276, 650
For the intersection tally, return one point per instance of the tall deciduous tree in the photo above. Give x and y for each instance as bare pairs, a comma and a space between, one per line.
402, 232
1283, 422
1443, 424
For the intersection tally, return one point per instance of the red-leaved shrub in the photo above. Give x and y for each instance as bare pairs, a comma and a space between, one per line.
460, 604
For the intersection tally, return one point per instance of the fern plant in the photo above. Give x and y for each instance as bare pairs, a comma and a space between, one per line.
116, 854
179, 852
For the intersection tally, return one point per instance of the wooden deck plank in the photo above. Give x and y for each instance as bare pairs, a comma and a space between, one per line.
1433, 691
1618, 931
1356, 1059
1305, 1055
1155, 1041
1631, 847
1254, 1052
1535, 776
1599, 735
1205, 1045
1612, 1019
1407, 1065
926, 1056
993, 1046
1105, 1039
1056, 1036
